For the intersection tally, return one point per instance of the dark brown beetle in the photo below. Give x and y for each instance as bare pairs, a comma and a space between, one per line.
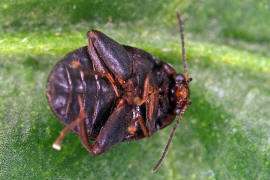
111, 93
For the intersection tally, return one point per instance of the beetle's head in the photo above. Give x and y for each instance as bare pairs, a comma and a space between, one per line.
181, 92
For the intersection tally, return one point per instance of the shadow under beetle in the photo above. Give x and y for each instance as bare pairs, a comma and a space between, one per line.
111, 93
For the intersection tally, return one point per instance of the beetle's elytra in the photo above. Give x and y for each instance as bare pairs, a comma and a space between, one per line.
110, 93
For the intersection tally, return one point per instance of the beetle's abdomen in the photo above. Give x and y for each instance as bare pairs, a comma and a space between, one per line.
67, 82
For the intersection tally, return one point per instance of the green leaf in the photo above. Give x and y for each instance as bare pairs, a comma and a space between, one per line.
223, 135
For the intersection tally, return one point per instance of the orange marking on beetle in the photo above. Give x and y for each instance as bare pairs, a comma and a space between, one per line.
132, 129
138, 101
75, 64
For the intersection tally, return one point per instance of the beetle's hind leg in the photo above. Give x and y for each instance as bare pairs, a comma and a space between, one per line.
115, 128
79, 120
109, 58
113, 132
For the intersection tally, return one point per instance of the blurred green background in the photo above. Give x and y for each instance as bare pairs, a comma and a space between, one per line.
225, 133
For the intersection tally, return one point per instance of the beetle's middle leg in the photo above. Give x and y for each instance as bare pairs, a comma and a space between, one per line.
137, 117
146, 91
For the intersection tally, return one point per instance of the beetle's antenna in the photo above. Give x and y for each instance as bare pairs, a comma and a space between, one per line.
170, 139
183, 46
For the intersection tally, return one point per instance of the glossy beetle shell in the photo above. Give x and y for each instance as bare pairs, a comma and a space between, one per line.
65, 83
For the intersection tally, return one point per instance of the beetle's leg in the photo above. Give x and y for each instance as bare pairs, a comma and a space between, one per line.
79, 119
109, 57
146, 92
98, 67
150, 98
80, 123
143, 127
84, 137
132, 127
115, 128
110, 78
152, 111
137, 117
112, 132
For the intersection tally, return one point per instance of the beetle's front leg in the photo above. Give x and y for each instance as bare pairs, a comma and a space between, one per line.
150, 98
146, 91
109, 57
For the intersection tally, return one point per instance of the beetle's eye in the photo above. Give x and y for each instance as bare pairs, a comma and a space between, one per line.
179, 78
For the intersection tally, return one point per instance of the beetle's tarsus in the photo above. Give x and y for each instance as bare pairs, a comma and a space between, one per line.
56, 146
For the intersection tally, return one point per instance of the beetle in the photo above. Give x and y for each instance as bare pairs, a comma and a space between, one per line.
109, 93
